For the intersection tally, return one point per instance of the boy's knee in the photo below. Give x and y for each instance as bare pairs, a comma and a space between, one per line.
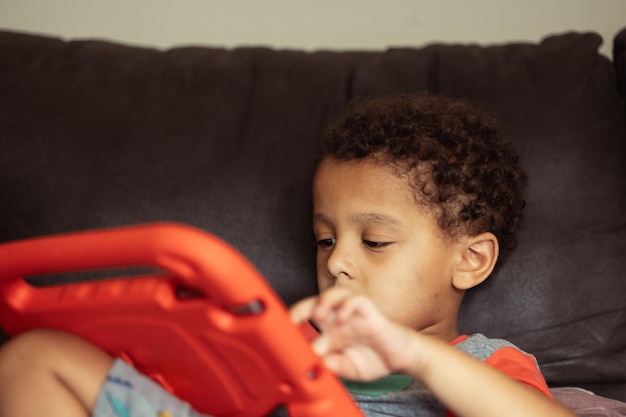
32, 351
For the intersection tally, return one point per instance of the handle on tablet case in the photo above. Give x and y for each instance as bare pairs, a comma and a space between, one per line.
226, 345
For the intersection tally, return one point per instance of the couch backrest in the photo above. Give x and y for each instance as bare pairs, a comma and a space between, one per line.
94, 134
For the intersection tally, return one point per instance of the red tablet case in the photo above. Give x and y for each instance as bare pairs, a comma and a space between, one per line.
207, 326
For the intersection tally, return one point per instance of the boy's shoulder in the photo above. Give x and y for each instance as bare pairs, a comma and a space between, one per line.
506, 357
482, 347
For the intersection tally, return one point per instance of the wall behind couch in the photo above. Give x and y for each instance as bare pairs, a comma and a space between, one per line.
320, 24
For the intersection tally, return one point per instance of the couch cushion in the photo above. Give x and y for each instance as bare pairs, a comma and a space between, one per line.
98, 135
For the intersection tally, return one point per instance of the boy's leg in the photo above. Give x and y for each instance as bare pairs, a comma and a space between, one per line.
51, 373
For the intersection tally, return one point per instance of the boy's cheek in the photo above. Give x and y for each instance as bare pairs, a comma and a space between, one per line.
323, 283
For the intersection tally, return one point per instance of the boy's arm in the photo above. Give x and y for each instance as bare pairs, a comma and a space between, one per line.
359, 343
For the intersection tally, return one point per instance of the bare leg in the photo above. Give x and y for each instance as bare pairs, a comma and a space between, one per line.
50, 373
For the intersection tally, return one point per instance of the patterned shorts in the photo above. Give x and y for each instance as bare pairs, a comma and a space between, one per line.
128, 393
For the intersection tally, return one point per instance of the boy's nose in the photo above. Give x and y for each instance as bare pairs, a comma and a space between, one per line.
343, 279
340, 265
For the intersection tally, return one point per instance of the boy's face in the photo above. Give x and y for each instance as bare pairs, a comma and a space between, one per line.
373, 237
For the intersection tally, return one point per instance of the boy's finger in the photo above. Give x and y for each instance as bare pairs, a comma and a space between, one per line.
351, 307
303, 309
321, 345
332, 298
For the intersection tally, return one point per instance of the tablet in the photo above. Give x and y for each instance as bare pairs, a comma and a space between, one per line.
201, 321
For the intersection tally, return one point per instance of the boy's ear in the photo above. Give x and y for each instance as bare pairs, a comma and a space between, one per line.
478, 259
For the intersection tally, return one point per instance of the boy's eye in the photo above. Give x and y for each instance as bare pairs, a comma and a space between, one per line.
326, 243
375, 245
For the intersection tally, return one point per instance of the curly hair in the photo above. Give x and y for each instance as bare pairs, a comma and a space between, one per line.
457, 158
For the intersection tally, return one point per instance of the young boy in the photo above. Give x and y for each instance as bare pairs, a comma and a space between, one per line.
415, 200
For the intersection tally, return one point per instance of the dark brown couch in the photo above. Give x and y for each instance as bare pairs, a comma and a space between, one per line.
95, 134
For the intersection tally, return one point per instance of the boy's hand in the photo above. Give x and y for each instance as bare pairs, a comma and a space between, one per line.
357, 341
